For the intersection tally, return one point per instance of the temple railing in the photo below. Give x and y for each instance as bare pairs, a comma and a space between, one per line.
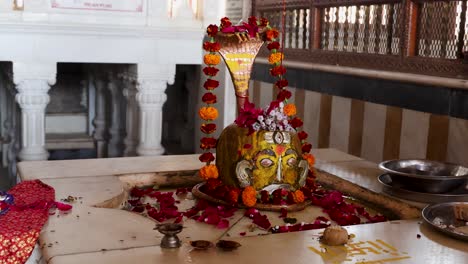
419, 36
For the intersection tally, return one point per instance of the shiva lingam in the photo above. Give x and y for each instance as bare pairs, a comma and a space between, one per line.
170, 231
260, 155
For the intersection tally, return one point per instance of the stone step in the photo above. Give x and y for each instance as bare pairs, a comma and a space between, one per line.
69, 141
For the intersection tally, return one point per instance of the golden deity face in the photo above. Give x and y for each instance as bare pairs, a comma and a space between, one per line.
265, 160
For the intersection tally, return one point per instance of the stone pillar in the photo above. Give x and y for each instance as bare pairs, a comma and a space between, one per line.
33, 82
100, 123
151, 96
5, 117
117, 128
132, 114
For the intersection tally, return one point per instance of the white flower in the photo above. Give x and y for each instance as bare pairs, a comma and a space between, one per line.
260, 118
256, 126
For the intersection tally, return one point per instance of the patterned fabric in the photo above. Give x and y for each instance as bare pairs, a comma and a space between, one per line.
21, 225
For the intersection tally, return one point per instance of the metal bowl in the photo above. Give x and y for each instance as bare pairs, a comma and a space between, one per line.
425, 175
442, 217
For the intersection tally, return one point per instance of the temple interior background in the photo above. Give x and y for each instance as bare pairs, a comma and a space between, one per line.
377, 79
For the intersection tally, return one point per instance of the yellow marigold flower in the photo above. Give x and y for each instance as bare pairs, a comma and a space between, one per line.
290, 109
249, 196
209, 172
298, 196
208, 113
310, 159
275, 57
212, 59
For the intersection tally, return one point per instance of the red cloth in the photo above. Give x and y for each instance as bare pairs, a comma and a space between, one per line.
21, 225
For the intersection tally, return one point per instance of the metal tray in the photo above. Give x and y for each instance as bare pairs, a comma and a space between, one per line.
425, 175
458, 195
443, 213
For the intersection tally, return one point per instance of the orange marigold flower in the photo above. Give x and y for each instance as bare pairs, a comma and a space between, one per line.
271, 34
209, 172
249, 196
299, 196
212, 59
275, 57
208, 113
290, 109
310, 159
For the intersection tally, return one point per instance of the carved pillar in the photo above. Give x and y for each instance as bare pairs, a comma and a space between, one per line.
5, 117
132, 114
151, 96
100, 123
117, 128
33, 82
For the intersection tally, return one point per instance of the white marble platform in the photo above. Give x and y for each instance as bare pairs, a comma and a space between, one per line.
103, 235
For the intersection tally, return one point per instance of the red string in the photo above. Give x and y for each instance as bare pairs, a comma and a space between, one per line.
283, 30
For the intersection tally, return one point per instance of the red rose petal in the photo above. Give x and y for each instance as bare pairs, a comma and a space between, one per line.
212, 219
223, 224
63, 207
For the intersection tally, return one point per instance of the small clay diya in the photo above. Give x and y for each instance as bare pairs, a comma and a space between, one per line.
201, 244
227, 245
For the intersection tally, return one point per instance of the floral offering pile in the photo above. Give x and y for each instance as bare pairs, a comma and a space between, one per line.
162, 207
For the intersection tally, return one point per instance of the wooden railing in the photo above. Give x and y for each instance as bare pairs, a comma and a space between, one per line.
411, 36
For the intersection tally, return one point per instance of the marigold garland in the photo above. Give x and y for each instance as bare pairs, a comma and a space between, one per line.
209, 112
